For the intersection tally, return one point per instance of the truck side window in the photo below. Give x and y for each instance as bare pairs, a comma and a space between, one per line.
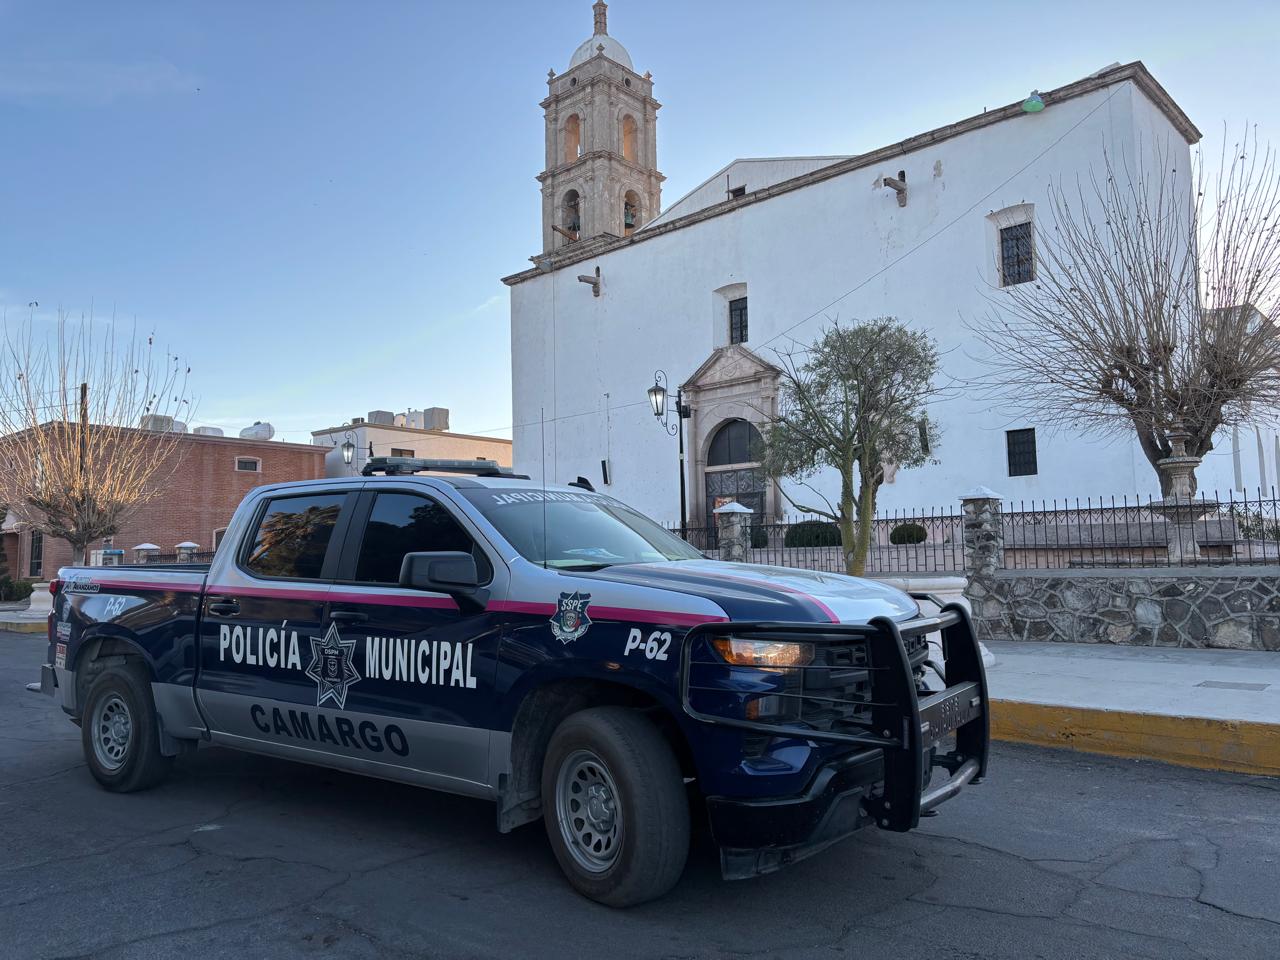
293, 535
403, 523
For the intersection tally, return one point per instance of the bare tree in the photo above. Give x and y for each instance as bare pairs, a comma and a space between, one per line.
74, 462
853, 401
1154, 303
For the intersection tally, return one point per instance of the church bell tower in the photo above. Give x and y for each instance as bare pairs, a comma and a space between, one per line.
601, 177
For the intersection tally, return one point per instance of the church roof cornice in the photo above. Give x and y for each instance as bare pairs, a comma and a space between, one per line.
584, 161
1136, 72
600, 80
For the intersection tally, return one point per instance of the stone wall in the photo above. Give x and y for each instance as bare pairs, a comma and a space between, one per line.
1236, 607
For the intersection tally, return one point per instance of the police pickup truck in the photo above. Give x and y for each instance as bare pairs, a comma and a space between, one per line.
545, 648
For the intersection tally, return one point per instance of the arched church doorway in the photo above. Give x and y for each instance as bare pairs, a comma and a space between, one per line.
733, 469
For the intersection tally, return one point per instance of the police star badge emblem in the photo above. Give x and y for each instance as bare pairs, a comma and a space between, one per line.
571, 620
331, 667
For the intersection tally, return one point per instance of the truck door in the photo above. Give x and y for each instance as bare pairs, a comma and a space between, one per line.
267, 660
426, 665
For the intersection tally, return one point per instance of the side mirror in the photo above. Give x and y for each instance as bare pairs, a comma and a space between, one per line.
442, 571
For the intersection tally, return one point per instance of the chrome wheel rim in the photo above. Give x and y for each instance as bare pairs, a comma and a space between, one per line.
588, 811
112, 731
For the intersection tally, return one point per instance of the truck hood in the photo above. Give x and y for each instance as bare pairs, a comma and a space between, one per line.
749, 591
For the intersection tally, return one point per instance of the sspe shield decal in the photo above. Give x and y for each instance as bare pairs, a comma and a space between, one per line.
332, 668
571, 620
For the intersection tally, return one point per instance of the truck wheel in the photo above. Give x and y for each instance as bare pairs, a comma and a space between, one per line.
120, 732
615, 807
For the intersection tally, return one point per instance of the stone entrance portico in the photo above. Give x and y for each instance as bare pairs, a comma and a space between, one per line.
732, 384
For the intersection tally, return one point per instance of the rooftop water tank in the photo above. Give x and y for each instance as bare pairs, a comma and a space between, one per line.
259, 431
432, 418
154, 421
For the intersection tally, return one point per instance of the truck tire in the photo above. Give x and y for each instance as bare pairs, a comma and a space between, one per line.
615, 807
120, 732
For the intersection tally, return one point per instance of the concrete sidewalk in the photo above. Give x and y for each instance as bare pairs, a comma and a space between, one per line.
1215, 709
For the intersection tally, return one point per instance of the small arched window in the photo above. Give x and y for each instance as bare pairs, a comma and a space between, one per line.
571, 215
630, 213
629, 151
737, 441
572, 138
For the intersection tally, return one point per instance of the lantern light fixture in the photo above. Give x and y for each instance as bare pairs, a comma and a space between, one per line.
658, 398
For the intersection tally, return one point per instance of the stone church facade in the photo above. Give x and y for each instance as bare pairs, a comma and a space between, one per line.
761, 256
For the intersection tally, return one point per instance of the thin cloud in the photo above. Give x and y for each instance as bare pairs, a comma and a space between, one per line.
493, 301
91, 82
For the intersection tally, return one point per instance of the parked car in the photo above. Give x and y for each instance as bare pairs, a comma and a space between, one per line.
545, 648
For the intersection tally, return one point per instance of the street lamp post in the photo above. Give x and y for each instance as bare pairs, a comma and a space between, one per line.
658, 401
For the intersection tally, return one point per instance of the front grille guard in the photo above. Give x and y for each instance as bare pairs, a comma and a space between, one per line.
901, 722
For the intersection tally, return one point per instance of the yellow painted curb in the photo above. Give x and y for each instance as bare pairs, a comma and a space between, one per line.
24, 626
1237, 745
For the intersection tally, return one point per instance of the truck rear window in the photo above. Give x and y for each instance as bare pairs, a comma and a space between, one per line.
293, 535
405, 523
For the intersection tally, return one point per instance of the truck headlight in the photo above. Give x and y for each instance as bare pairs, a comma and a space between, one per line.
763, 653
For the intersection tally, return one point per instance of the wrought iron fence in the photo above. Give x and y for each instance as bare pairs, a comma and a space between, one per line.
1119, 531
902, 541
1208, 530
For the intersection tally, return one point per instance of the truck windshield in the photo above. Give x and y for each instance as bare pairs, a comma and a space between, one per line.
581, 531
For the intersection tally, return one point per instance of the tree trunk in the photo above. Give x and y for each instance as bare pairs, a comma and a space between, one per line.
848, 544
79, 552
866, 516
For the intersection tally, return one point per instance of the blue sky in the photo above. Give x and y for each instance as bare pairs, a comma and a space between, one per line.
313, 201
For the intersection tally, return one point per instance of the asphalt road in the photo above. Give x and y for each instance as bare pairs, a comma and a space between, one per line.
1057, 856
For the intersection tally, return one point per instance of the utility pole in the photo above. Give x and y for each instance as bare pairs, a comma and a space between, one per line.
84, 428
84, 461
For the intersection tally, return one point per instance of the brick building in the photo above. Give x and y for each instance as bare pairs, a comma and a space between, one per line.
197, 500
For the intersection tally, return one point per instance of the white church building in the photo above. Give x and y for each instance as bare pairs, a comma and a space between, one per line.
762, 254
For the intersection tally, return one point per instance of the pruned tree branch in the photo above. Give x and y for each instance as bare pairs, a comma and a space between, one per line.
74, 461
1154, 302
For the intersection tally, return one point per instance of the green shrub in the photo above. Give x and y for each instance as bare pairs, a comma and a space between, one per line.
812, 533
15, 589
759, 538
908, 533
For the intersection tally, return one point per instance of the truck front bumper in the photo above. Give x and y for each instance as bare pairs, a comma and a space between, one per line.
898, 731
761, 836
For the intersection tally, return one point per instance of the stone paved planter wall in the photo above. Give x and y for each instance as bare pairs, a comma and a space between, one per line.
1235, 607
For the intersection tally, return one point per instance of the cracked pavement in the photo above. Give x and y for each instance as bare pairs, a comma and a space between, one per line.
1058, 855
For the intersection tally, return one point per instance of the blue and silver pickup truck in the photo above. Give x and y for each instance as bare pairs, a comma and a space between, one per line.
545, 648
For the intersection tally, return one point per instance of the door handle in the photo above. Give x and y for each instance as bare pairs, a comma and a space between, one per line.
349, 616
224, 608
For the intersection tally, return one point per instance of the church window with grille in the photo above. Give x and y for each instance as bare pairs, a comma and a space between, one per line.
1017, 255
1021, 449
738, 320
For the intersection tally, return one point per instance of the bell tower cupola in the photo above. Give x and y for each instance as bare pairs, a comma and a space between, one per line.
601, 176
